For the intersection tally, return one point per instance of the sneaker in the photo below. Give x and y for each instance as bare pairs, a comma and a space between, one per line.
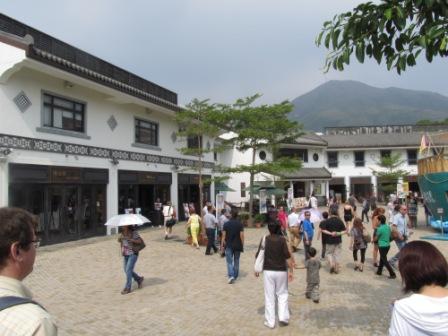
140, 282
266, 324
392, 276
332, 270
316, 301
231, 280
283, 323
166, 237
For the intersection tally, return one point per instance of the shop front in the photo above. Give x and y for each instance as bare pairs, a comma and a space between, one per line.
139, 190
69, 202
188, 191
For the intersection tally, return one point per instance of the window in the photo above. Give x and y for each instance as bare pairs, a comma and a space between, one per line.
146, 132
215, 156
412, 157
262, 155
332, 159
243, 189
301, 154
385, 154
194, 141
359, 159
316, 157
63, 114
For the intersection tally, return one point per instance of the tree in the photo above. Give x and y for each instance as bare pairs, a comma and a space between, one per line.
394, 30
200, 119
424, 122
390, 172
261, 127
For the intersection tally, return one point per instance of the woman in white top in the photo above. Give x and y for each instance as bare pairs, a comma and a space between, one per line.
424, 271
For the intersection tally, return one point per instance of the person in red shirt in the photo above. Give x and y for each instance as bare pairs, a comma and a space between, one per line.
283, 219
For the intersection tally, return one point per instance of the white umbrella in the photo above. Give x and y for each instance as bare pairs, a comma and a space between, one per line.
127, 219
315, 215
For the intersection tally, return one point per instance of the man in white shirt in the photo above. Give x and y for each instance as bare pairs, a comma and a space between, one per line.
293, 225
400, 223
18, 245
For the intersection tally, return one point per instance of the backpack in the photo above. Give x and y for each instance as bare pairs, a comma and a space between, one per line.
11, 301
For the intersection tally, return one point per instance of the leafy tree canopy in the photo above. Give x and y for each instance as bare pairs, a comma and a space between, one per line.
432, 122
390, 171
395, 31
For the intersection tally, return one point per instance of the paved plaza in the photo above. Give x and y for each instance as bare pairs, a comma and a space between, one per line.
186, 292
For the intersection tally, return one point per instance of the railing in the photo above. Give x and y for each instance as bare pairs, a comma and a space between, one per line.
433, 164
65, 51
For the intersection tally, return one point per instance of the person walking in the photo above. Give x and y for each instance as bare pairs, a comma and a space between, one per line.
348, 215
352, 202
19, 314
210, 223
424, 271
313, 204
277, 261
334, 229
283, 219
321, 235
400, 224
365, 210
412, 210
158, 212
169, 213
233, 238
308, 233
129, 236
382, 236
358, 243
312, 266
293, 224
194, 224
375, 223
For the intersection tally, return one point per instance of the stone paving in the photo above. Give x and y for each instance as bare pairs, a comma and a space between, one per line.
186, 292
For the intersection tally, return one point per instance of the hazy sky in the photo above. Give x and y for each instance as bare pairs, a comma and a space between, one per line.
217, 49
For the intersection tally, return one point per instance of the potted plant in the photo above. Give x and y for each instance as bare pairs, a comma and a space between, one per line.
259, 220
244, 218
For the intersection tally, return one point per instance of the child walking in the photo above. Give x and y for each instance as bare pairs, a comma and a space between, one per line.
312, 266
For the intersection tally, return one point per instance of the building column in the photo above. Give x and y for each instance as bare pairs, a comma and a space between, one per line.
112, 196
374, 181
174, 191
311, 186
347, 182
4, 182
327, 190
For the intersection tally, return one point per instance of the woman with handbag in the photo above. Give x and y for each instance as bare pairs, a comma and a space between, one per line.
131, 244
169, 216
375, 223
277, 260
358, 243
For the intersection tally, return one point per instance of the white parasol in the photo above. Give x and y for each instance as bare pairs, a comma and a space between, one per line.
127, 219
315, 215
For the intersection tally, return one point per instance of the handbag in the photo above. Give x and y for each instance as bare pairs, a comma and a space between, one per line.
139, 246
170, 222
259, 260
366, 235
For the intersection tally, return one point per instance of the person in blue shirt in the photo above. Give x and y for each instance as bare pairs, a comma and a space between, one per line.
308, 233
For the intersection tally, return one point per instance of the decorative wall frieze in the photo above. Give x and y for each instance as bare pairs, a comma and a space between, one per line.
41, 145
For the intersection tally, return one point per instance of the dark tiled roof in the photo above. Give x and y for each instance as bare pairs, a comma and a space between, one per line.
373, 140
308, 174
61, 55
309, 138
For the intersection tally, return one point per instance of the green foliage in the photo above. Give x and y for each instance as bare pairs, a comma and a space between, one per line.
201, 119
395, 31
432, 122
259, 218
390, 172
261, 127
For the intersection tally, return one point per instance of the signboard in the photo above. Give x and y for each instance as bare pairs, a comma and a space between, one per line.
406, 188
440, 211
300, 202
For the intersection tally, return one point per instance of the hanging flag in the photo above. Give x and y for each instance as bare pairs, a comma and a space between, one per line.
424, 144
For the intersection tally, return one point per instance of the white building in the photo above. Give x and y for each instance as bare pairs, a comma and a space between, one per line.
82, 139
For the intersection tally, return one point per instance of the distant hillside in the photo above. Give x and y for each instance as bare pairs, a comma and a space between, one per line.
351, 103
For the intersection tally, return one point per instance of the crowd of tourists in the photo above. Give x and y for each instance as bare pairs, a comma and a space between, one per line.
422, 267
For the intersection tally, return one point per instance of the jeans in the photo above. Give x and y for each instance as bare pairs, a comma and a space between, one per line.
233, 262
129, 264
307, 248
384, 262
211, 241
400, 245
324, 244
365, 212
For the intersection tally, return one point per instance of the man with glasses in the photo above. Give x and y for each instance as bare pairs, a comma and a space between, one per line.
399, 224
19, 315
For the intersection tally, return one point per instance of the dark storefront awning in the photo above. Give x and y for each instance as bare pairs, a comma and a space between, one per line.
222, 187
307, 174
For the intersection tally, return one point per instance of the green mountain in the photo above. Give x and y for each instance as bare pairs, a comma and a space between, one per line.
351, 103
